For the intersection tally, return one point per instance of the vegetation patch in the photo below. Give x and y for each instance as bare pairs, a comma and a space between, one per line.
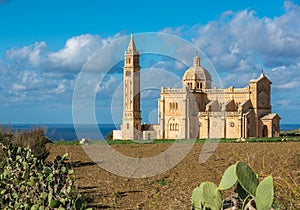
291, 133
250, 194
33, 139
27, 182
164, 182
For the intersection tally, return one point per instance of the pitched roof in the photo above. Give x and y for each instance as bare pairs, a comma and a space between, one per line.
270, 117
262, 76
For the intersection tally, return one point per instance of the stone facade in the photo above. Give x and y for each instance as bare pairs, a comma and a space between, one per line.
131, 127
197, 110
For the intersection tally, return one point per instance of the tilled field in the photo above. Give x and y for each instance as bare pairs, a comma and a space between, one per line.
172, 189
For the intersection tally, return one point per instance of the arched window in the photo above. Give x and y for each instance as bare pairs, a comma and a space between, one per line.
200, 85
173, 106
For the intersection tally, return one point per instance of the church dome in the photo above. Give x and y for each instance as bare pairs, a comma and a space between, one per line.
197, 77
196, 73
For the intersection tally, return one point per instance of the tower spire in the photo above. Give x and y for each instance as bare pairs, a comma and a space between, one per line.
262, 73
196, 59
131, 49
131, 126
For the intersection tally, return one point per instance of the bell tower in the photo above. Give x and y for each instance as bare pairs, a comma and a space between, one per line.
131, 126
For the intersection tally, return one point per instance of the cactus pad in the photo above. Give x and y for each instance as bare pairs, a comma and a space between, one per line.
228, 179
265, 194
247, 178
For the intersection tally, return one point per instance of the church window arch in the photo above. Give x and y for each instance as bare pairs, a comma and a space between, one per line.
173, 106
173, 124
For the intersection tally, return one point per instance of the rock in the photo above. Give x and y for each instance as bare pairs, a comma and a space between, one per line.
232, 203
84, 141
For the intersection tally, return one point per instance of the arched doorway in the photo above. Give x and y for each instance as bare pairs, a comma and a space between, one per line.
265, 131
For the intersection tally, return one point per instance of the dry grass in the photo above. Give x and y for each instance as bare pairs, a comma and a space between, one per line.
172, 189
287, 185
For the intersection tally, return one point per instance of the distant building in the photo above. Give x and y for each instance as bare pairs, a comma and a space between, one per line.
197, 110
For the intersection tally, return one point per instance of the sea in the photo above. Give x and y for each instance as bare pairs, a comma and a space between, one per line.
66, 132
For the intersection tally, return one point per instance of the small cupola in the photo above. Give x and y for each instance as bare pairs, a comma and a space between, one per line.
197, 77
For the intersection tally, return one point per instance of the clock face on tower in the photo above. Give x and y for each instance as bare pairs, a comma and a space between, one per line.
128, 73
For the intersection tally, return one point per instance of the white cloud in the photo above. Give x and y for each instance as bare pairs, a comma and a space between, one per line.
290, 85
17, 87
34, 73
175, 31
69, 59
286, 78
285, 103
107, 84
29, 54
241, 42
76, 52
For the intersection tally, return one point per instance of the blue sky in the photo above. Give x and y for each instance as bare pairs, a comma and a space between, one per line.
44, 45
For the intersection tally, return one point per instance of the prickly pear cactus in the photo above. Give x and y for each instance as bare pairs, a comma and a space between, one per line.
265, 194
207, 196
196, 202
211, 196
250, 193
27, 182
228, 179
247, 178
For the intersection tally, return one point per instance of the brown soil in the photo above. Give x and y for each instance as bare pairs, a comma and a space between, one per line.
172, 189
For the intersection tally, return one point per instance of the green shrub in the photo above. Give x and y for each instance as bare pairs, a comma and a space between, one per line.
33, 139
27, 182
109, 136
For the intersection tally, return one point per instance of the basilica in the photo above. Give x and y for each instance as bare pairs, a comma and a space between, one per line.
197, 110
